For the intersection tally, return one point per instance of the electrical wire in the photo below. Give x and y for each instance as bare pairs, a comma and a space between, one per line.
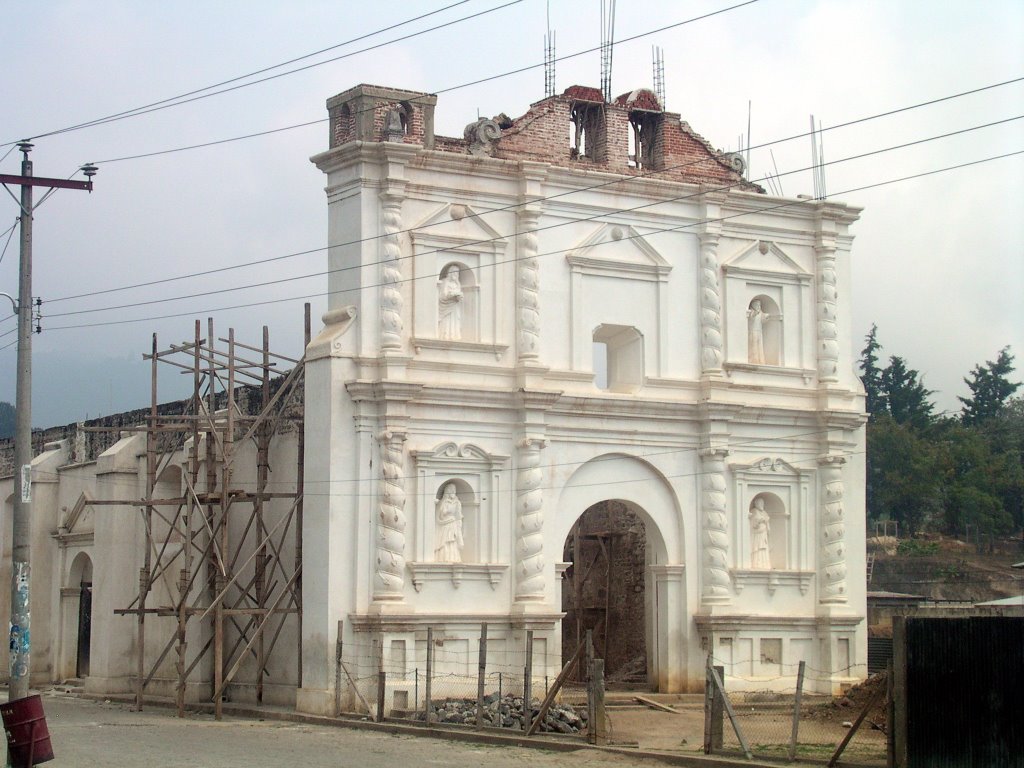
512, 259
183, 98
513, 206
414, 99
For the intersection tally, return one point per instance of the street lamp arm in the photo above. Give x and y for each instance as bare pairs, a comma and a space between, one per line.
14, 304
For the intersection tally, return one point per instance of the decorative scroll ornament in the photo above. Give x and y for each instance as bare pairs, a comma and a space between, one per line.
833, 531
391, 520
391, 276
528, 290
529, 522
716, 527
828, 335
710, 305
481, 136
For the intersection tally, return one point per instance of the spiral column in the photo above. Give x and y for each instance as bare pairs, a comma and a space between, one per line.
715, 588
832, 556
710, 305
389, 574
529, 522
391, 302
528, 288
828, 336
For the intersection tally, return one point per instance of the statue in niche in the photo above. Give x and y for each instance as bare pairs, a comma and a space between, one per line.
755, 333
760, 527
449, 305
448, 531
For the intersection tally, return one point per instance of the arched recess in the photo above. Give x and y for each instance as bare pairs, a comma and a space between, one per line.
77, 619
629, 488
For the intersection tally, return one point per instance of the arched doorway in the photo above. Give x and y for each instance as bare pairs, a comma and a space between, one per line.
644, 508
80, 610
605, 590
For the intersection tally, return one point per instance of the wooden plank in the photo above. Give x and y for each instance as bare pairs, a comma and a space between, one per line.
732, 715
559, 681
879, 693
796, 711
653, 704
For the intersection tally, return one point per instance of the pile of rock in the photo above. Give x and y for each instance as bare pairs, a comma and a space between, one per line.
506, 712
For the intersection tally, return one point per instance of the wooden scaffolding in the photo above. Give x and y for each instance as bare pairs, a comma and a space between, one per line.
217, 556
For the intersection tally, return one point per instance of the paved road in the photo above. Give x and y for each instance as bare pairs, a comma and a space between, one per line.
89, 733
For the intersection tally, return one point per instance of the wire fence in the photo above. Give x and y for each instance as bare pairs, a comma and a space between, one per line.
787, 722
453, 681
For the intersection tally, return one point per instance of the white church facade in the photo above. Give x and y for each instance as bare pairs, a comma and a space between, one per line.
582, 314
583, 305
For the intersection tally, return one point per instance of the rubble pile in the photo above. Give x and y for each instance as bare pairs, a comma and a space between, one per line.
850, 705
506, 712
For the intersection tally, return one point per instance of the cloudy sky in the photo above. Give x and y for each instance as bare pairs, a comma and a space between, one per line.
938, 260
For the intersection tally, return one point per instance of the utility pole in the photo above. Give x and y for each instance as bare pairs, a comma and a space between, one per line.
21, 564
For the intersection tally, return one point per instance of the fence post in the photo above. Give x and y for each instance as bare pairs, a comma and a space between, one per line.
796, 711
481, 677
597, 683
415, 687
381, 681
714, 712
430, 665
528, 682
337, 670
890, 718
589, 676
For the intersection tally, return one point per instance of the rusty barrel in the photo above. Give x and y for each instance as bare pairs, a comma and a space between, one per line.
28, 738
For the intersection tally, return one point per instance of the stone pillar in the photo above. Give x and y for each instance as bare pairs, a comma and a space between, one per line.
828, 342
528, 289
715, 588
391, 302
389, 575
711, 348
832, 556
529, 522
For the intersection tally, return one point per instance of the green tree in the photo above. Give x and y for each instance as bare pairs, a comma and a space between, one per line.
976, 476
6, 420
902, 474
990, 388
874, 398
906, 397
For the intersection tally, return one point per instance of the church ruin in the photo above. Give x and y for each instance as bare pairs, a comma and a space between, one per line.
577, 372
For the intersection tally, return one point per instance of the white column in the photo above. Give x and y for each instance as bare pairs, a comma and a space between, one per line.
715, 587
528, 289
711, 347
828, 342
391, 302
529, 522
832, 555
389, 575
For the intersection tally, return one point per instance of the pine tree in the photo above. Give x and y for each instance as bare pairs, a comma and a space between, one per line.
905, 395
990, 389
874, 398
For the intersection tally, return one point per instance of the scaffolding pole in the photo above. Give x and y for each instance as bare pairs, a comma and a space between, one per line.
215, 578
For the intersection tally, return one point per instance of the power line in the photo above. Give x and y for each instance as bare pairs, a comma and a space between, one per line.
489, 78
682, 226
184, 97
574, 222
513, 206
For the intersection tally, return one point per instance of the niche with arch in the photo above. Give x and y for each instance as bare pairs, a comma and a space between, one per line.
482, 487
458, 303
469, 518
764, 331
785, 491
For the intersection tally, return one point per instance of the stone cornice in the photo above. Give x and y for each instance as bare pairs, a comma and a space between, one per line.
749, 621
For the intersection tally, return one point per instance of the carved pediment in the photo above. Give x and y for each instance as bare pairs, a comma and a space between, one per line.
453, 225
620, 251
449, 453
79, 518
763, 257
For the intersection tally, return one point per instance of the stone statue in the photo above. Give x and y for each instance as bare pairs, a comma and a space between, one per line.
449, 305
448, 532
393, 128
755, 333
760, 527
